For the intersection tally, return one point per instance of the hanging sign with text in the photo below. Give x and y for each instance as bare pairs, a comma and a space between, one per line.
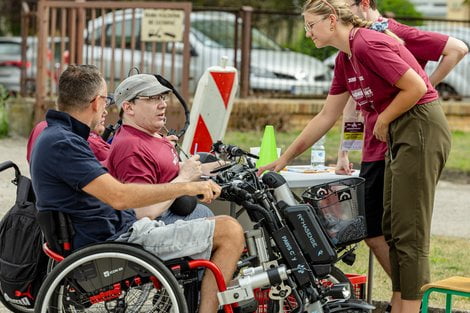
162, 25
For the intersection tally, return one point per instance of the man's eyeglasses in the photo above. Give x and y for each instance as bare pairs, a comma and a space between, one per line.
308, 27
109, 99
157, 98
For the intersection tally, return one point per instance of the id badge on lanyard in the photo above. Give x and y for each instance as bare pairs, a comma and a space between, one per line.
353, 124
352, 137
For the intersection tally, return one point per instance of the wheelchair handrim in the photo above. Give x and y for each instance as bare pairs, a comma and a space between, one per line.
102, 255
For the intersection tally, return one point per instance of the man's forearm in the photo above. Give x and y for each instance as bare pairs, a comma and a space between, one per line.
133, 195
153, 211
141, 195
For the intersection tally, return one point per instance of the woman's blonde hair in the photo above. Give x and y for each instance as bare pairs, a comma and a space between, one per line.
344, 14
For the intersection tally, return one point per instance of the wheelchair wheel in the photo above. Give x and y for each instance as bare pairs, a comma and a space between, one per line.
111, 277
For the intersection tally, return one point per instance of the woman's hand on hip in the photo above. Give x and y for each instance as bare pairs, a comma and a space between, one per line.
381, 129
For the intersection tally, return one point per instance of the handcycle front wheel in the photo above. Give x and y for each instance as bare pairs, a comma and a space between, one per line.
111, 277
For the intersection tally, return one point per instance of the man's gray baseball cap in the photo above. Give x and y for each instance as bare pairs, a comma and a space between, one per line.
138, 85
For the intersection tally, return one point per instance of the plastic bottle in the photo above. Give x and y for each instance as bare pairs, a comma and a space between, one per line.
317, 156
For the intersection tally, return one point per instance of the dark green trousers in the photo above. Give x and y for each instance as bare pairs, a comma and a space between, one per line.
419, 144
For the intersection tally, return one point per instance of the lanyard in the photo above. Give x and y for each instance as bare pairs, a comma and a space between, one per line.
366, 92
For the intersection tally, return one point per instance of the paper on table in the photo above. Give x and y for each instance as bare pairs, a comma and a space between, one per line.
307, 169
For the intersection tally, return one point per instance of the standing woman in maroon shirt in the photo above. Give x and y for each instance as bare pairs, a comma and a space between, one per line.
401, 108
425, 46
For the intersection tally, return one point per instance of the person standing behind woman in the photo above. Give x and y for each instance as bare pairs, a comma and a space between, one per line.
401, 108
450, 51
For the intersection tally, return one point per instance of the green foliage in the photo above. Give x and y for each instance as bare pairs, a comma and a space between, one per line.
306, 46
400, 8
395, 7
3, 112
10, 23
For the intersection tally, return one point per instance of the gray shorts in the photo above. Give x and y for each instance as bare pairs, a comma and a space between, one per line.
199, 212
181, 239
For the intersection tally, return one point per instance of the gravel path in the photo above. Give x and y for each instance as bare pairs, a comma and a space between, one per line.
451, 210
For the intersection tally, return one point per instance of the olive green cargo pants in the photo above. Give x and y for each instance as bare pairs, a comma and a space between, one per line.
419, 144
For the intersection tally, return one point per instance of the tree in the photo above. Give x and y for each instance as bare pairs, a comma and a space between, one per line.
10, 17
403, 8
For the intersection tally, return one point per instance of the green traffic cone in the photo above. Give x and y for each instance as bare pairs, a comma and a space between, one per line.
268, 149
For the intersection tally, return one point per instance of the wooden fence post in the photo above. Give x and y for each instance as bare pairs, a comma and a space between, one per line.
246, 14
41, 73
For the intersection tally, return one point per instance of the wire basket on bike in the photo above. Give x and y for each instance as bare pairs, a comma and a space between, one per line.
340, 208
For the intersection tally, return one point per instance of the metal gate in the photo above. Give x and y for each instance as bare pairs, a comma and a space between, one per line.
108, 35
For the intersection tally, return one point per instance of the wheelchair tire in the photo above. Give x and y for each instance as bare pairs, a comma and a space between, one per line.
111, 277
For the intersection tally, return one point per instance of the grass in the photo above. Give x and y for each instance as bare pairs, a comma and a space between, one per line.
248, 139
458, 159
449, 255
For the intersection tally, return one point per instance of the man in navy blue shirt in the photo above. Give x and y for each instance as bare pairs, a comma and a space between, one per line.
67, 177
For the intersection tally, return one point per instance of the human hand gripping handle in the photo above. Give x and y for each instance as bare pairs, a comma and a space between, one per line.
207, 190
190, 169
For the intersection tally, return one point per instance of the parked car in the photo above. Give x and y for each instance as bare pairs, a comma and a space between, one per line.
273, 68
456, 84
11, 63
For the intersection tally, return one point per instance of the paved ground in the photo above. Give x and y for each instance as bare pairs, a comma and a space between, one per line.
451, 212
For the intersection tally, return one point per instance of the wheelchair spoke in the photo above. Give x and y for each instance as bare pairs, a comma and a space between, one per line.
111, 283
137, 298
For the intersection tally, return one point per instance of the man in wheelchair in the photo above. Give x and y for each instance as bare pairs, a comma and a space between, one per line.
141, 154
68, 178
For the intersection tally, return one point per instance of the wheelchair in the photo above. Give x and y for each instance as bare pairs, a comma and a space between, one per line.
114, 277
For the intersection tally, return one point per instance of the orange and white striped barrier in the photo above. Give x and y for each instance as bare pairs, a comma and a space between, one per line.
211, 108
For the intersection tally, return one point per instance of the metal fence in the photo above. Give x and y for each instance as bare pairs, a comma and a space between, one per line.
304, 73
261, 44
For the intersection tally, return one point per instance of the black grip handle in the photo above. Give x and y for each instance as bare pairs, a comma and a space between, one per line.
201, 196
7, 164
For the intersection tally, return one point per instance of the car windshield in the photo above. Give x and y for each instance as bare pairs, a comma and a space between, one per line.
221, 34
10, 48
